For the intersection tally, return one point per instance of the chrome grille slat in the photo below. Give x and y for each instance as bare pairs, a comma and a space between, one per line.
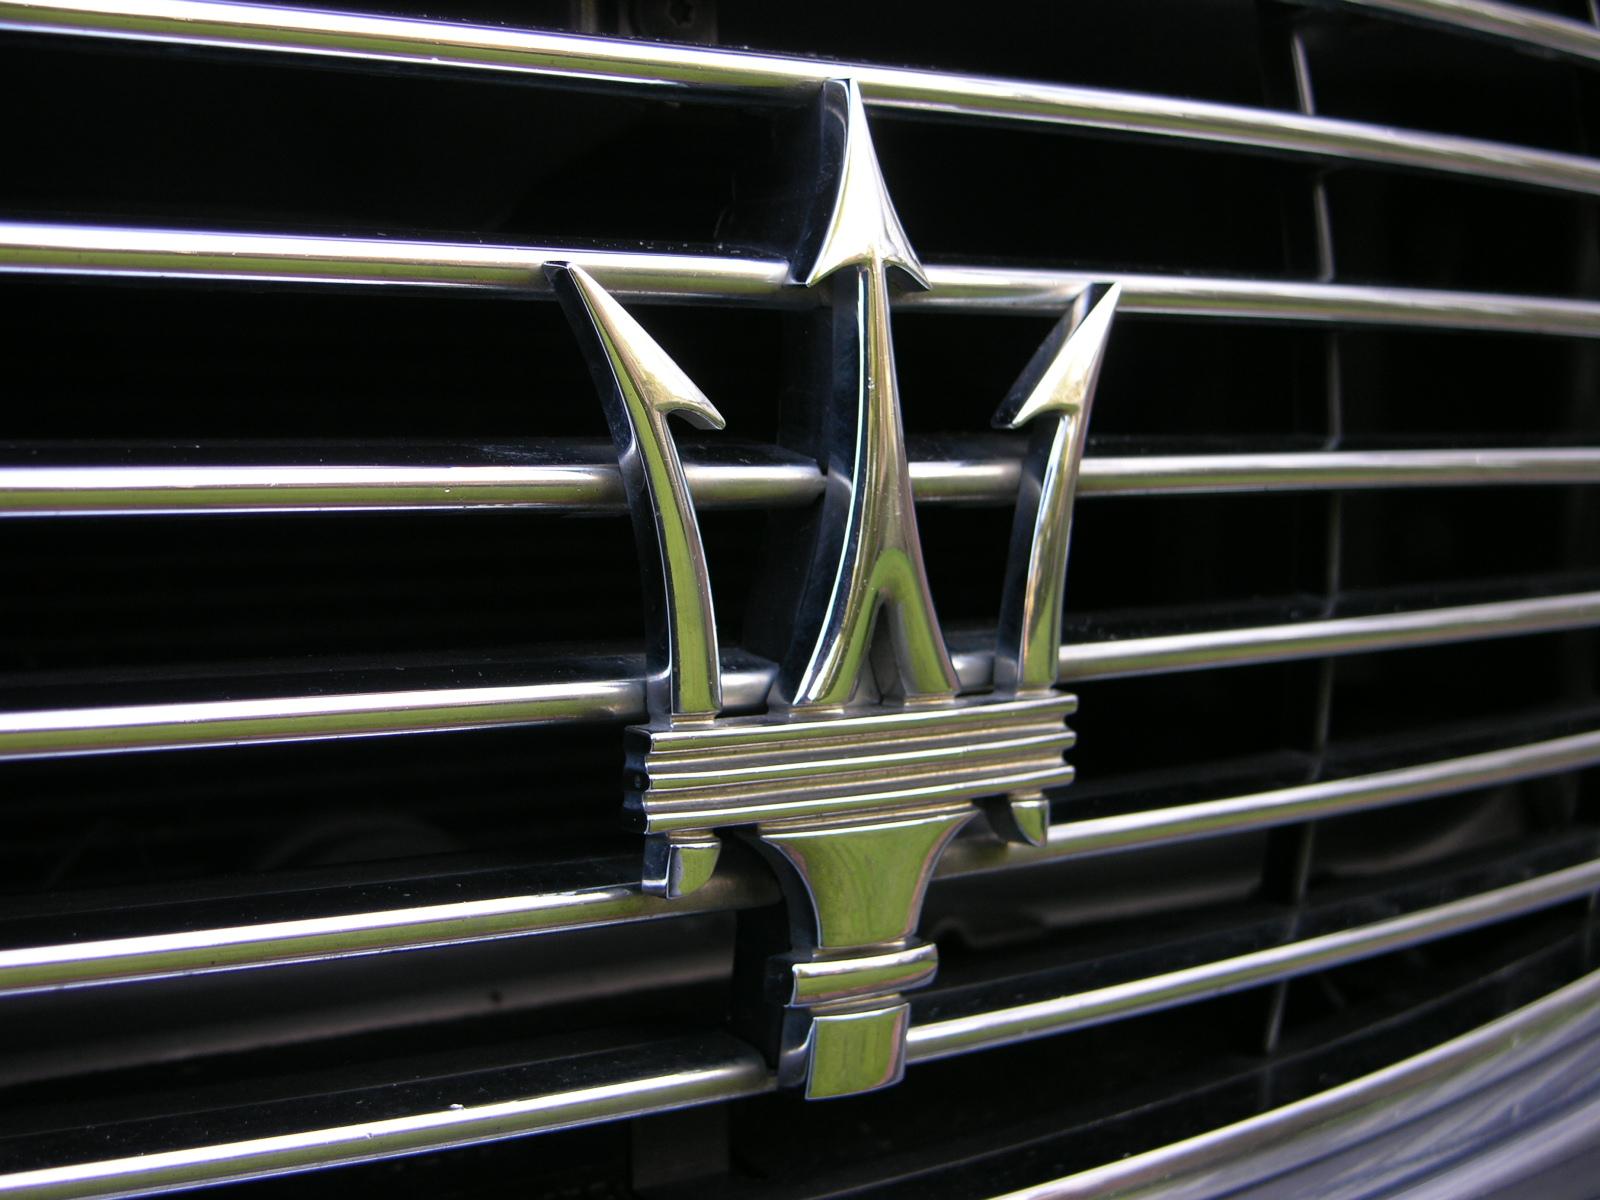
656, 276
1267, 810
1516, 23
611, 689
112, 730
122, 960
720, 1069
686, 1073
1003, 1027
1262, 1148
356, 40
576, 480
313, 939
1339, 635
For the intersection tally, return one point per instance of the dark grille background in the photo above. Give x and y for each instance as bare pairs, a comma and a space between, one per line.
101, 611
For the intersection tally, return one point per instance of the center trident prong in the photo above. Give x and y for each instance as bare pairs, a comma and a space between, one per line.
868, 762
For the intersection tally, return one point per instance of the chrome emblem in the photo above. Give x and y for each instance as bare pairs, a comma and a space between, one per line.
869, 760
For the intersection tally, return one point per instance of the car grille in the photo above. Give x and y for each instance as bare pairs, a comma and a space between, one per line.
323, 620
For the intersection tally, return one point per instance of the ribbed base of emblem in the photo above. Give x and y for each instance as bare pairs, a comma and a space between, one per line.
750, 770
853, 811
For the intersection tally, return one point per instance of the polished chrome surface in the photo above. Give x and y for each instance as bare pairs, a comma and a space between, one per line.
287, 258
1342, 635
892, 971
586, 695
1054, 393
856, 888
700, 1072
271, 943
313, 717
1509, 1072
640, 387
571, 477
1160, 474
854, 1050
670, 71
748, 770
864, 879
1529, 27
646, 275
856, 813
1004, 1027
721, 1069
1266, 810
854, 783
116, 960
1043, 292
867, 565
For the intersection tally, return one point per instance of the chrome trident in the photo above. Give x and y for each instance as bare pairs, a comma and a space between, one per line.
868, 763
640, 386
868, 560
1054, 392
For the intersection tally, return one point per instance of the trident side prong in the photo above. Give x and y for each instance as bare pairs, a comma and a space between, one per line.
639, 387
1054, 394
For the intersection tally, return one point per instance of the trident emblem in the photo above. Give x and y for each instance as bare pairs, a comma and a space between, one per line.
869, 760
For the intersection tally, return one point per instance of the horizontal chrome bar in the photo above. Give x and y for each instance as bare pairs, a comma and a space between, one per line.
1317, 639
577, 479
711, 1069
1559, 1029
721, 1069
1517, 23
1004, 1027
127, 728
193, 952
357, 40
643, 275
352, 935
1265, 810
114, 730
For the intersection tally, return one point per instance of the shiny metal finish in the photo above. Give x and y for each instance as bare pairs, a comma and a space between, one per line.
689, 1073
1004, 1027
746, 770
1513, 1072
1054, 393
1046, 293
119, 960
281, 258
640, 387
1266, 810
642, 275
854, 764
1312, 639
1162, 475
1526, 26
355, 40
311, 717
867, 565
720, 1069
855, 1050
856, 889
864, 879
574, 478
594, 696
854, 783
893, 971
202, 951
